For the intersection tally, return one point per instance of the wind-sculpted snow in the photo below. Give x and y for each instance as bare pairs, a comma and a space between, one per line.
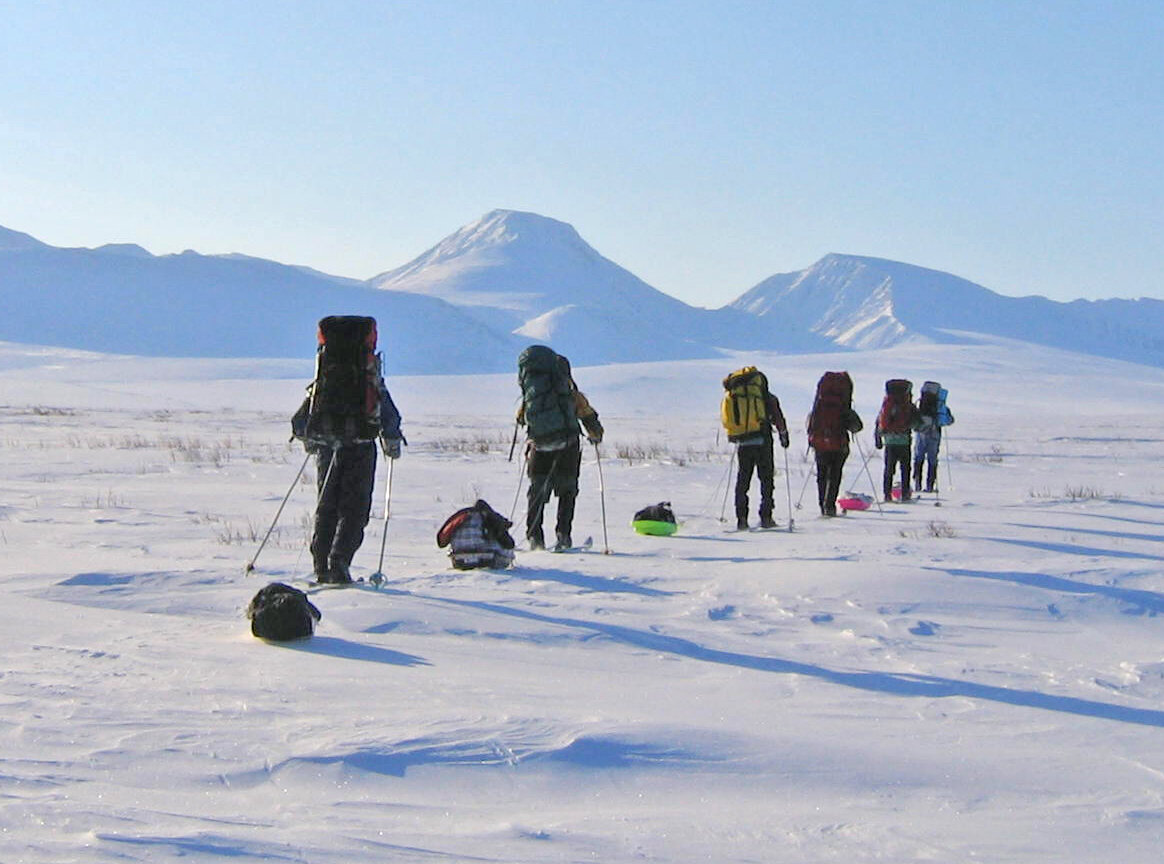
980, 680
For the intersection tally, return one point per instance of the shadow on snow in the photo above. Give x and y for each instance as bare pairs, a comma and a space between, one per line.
586, 583
335, 647
1071, 549
896, 684
1145, 601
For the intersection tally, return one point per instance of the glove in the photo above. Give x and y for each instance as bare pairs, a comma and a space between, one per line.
783, 438
391, 447
594, 430
877, 439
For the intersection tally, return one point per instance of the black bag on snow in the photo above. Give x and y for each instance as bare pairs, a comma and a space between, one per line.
660, 512
282, 613
343, 402
547, 394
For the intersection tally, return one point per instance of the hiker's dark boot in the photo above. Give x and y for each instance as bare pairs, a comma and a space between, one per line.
338, 573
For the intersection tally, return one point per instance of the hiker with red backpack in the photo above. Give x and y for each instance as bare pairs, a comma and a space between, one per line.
346, 410
934, 414
552, 406
749, 413
893, 430
830, 423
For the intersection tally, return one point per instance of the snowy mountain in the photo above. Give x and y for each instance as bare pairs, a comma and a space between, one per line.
863, 303
121, 299
474, 300
536, 277
15, 240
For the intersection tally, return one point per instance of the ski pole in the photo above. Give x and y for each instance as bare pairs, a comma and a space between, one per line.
513, 443
251, 564
788, 489
869, 474
808, 475
602, 498
377, 578
520, 482
727, 483
949, 477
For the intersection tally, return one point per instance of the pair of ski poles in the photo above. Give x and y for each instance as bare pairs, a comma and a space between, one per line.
601, 486
787, 487
864, 465
377, 578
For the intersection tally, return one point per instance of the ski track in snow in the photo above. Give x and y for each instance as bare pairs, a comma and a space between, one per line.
979, 681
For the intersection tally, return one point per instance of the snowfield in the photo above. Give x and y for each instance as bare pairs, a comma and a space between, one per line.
977, 681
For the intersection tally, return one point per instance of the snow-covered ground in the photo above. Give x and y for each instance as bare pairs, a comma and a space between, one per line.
980, 681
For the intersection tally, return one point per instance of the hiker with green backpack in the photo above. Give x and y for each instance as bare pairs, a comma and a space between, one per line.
551, 409
894, 430
749, 412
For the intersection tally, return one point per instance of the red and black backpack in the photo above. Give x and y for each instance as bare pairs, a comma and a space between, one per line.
828, 430
343, 406
896, 415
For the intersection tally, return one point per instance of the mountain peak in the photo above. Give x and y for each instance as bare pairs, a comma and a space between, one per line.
499, 229
11, 241
507, 258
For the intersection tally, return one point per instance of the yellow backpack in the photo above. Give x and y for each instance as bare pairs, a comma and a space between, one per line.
744, 410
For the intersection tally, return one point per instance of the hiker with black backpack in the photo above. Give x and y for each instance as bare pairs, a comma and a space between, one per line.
749, 412
346, 410
830, 423
893, 430
552, 406
934, 414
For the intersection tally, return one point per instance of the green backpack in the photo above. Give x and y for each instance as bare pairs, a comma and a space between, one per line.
547, 394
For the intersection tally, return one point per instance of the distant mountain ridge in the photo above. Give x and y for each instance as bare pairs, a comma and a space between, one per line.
473, 300
863, 303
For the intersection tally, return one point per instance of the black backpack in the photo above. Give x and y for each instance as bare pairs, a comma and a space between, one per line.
343, 402
282, 613
660, 512
547, 394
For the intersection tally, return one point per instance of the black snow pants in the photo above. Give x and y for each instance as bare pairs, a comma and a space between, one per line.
829, 466
897, 459
758, 458
346, 478
552, 472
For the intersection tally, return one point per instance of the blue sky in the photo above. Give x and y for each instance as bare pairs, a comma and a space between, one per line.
702, 145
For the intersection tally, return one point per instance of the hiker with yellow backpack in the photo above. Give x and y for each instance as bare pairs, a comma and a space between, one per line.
749, 413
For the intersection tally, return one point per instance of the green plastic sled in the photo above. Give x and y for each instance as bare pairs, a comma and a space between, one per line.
655, 528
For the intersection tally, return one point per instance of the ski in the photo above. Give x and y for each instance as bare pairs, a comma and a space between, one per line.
314, 587
585, 546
